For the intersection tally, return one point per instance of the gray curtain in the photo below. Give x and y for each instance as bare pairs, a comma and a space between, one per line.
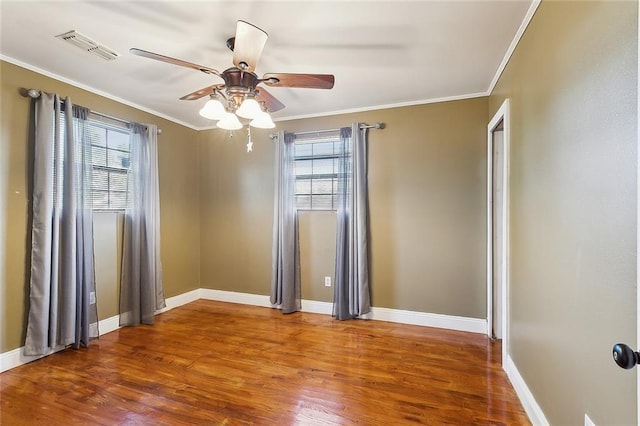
351, 296
141, 292
285, 251
62, 309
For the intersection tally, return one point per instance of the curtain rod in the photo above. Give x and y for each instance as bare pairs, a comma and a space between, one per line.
33, 93
363, 126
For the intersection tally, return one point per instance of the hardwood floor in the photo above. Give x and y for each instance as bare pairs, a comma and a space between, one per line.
226, 364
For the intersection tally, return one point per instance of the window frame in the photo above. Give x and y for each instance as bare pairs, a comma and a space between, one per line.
314, 139
99, 121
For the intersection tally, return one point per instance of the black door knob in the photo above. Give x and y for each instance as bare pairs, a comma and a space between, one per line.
624, 356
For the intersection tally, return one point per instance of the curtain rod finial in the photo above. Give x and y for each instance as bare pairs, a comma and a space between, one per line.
33, 93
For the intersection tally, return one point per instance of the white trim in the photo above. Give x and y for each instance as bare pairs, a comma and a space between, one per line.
531, 407
503, 115
638, 228
489, 217
387, 106
311, 306
181, 299
317, 307
191, 126
16, 357
108, 325
372, 108
235, 297
588, 421
451, 322
113, 323
4, 183
425, 319
512, 47
92, 90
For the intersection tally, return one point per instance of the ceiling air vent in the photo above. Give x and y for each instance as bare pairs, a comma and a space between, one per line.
86, 44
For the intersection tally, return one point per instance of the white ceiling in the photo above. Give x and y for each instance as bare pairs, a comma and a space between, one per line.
381, 53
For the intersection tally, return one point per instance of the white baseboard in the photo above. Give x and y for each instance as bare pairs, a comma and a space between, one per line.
312, 306
181, 299
317, 307
471, 325
108, 325
533, 410
16, 357
450, 322
235, 297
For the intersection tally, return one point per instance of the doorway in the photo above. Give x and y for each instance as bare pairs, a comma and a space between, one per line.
638, 230
497, 227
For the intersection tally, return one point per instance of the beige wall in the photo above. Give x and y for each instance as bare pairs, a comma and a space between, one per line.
178, 165
573, 88
236, 207
427, 204
317, 253
107, 235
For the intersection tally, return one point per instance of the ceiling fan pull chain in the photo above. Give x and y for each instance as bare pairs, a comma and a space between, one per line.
249, 141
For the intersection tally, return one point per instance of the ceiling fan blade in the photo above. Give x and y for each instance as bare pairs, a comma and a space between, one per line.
248, 45
269, 100
158, 57
310, 81
201, 93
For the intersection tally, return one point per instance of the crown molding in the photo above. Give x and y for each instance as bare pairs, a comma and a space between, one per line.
512, 47
92, 90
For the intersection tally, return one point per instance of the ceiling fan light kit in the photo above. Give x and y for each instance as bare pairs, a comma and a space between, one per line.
263, 121
213, 110
240, 94
229, 122
250, 108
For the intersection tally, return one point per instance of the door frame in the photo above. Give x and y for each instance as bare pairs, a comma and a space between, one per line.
638, 227
502, 115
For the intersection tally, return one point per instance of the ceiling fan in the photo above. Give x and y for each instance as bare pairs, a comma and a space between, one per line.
241, 92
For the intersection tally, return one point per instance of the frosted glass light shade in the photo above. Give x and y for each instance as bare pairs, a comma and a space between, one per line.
213, 110
229, 122
250, 108
263, 121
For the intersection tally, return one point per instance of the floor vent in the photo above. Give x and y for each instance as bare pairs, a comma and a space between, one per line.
85, 43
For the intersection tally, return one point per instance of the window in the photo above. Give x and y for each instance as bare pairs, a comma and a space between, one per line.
111, 159
316, 170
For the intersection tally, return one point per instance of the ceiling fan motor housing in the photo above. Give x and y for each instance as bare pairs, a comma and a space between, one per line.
235, 78
239, 83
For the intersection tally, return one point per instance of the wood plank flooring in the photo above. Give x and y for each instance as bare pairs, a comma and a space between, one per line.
227, 364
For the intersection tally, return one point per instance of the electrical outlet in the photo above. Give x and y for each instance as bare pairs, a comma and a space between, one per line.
92, 298
327, 281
